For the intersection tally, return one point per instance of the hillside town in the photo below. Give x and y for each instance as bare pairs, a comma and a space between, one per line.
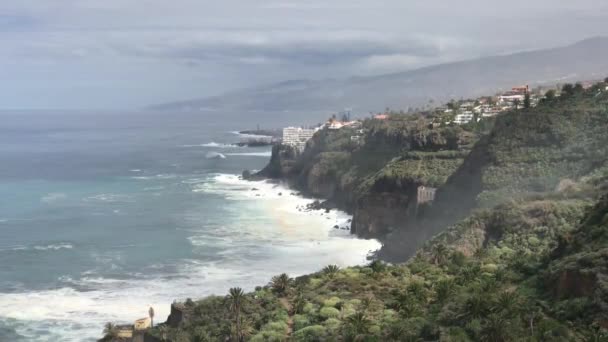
455, 112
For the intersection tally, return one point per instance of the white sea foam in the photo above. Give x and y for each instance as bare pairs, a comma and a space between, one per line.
108, 198
253, 154
159, 176
50, 247
135, 170
250, 136
52, 197
54, 247
266, 232
212, 144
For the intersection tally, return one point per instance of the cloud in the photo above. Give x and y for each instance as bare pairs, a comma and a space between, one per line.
212, 46
295, 47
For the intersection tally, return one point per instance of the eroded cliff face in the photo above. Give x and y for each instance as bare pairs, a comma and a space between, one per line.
281, 162
376, 178
380, 213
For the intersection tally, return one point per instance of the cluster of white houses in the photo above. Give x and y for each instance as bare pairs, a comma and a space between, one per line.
484, 107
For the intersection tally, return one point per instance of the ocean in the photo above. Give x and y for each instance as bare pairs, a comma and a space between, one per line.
103, 215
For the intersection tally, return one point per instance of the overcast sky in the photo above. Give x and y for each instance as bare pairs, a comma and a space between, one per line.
131, 53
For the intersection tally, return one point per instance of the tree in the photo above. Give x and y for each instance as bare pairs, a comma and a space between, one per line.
495, 329
377, 266
331, 270
281, 283
507, 302
476, 306
298, 302
444, 289
550, 95
567, 90
516, 103
242, 329
151, 314
440, 253
358, 323
110, 330
527, 102
236, 297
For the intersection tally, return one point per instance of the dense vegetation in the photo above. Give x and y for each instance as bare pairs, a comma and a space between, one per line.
523, 271
528, 263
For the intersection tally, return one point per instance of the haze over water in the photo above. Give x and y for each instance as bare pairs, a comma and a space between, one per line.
105, 214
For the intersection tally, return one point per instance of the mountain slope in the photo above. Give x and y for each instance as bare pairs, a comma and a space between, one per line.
415, 88
557, 147
527, 271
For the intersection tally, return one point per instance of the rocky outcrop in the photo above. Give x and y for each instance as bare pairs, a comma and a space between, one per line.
381, 213
180, 314
282, 162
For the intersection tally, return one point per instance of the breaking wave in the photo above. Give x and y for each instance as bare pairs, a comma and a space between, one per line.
212, 144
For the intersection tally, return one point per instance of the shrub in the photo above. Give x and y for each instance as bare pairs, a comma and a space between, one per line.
312, 333
329, 312
275, 326
300, 321
332, 302
268, 336
332, 324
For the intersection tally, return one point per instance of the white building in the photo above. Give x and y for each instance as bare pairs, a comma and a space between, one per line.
297, 137
463, 118
511, 98
490, 113
426, 194
335, 125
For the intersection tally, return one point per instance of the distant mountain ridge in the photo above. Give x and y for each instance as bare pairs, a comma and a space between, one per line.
583, 60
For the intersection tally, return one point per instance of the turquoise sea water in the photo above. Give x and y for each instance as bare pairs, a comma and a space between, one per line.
105, 214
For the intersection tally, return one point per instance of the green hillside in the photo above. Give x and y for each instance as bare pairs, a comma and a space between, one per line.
527, 259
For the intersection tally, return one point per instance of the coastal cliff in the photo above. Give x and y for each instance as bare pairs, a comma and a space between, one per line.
529, 270
519, 227
375, 177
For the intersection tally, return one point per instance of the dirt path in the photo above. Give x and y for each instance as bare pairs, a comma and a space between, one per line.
288, 307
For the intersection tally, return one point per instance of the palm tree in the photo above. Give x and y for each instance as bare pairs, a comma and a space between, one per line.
507, 302
377, 266
358, 324
476, 306
298, 302
417, 291
246, 329
110, 330
495, 329
236, 297
331, 270
151, 314
280, 284
440, 253
444, 289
